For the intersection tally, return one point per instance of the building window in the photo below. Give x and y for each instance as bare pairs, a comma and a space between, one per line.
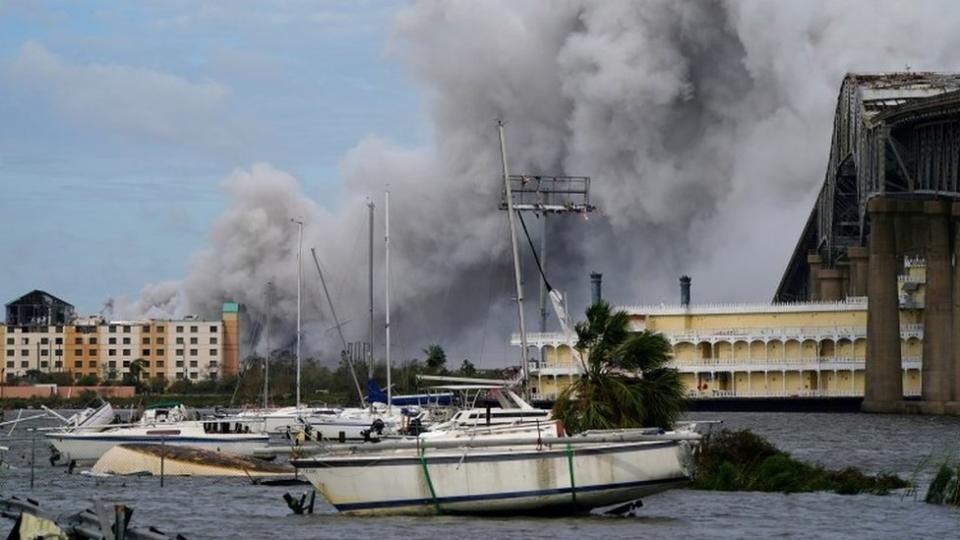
179, 341
24, 364
146, 341
11, 364
112, 352
92, 363
58, 364
213, 364
160, 352
112, 363
193, 375
193, 363
58, 341
9, 341
112, 341
160, 329
25, 341
44, 352
45, 364
126, 352
78, 352
58, 352
146, 363
92, 352
113, 328
25, 352
193, 341
126, 329
160, 341
179, 352
161, 375
213, 329
146, 328
59, 329
179, 363
78, 364
213, 341
11, 352
126, 341
179, 375
78, 341
93, 341
126, 363
179, 329
213, 352
193, 352
44, 341
160, 363
194, 329
146, 352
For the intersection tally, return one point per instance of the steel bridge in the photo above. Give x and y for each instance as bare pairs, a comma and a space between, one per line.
896, 135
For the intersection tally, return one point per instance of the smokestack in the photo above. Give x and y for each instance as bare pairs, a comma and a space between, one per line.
685, 291
596, 286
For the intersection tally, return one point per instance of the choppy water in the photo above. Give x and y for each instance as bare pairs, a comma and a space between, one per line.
233, 508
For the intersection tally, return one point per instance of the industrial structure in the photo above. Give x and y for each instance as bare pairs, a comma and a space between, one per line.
42, 333
869, 303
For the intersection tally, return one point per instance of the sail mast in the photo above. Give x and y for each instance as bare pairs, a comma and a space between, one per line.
266, 359
386, 286
299, 282
524, 361
370, 357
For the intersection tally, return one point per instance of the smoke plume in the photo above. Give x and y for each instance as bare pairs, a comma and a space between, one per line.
705, 127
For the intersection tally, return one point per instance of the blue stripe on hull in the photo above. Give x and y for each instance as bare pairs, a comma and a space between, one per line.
503, 496
169, 439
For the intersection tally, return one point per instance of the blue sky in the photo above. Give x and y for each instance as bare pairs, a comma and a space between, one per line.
118, 121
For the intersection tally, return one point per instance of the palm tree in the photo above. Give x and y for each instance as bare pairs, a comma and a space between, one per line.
625, 381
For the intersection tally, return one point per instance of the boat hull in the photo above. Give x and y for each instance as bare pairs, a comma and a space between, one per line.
512, 481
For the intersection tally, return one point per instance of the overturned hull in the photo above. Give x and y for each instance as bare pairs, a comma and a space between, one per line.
524, 480
182, 461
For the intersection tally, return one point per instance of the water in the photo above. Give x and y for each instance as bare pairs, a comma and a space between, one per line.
233, 508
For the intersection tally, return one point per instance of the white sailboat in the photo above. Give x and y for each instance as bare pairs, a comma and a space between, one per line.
509, 470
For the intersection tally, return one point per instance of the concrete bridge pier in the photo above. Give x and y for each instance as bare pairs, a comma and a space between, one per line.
859, 258
938, 305
884, 383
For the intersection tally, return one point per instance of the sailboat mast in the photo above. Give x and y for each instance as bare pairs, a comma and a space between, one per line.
266, 359
370, 288
299, 282
386, 286
346, 355
524, 360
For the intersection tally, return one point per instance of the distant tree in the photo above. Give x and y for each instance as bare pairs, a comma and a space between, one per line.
156, 385
467, 369
181, 386
436, 361
90, 379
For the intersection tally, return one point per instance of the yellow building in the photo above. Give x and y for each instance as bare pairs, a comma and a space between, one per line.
188, 348
759, 350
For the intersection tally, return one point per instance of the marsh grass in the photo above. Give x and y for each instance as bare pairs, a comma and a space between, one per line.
744, 461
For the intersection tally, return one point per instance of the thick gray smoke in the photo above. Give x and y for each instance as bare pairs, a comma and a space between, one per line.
704, 125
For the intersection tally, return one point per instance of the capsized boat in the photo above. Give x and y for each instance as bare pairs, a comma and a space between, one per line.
182, 461
167, 424
525, 474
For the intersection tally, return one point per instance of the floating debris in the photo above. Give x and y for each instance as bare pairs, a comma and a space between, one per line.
100, 522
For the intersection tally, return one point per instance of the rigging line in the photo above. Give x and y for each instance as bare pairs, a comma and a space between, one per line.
491, 278
534, 251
